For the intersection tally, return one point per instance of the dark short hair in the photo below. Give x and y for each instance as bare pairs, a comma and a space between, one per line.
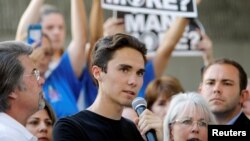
50, 112
11, 69
106, 47
242, 73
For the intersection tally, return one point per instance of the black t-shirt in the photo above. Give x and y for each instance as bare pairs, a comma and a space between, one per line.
89, 126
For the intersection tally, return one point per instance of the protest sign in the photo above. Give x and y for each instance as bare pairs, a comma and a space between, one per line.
186, 8
149, 24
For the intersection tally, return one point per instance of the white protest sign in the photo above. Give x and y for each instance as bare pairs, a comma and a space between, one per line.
150, 29
186, 8
149, 26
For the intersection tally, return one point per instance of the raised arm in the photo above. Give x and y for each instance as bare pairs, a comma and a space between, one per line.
96, 22
95, 26
30, 16
206, 46
171, 38
76, 47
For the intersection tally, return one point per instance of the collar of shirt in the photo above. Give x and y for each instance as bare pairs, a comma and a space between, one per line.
231, 122
9, 127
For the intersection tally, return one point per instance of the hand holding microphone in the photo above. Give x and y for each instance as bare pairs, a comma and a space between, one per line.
149, 124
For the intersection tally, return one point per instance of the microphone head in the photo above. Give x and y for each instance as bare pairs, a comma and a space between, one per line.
138, 101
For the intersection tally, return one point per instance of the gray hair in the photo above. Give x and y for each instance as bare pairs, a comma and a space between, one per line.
181, 103
11, 69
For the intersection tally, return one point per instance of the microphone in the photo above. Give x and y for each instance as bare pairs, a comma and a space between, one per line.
139, 104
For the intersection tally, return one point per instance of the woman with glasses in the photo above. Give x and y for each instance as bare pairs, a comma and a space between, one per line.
187, 118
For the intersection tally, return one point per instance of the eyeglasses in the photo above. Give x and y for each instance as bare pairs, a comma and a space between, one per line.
35, 73
190, 123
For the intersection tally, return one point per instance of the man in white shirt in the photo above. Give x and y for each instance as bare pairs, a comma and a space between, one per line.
20, 91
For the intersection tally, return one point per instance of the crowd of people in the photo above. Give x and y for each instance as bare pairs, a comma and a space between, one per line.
41, 84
